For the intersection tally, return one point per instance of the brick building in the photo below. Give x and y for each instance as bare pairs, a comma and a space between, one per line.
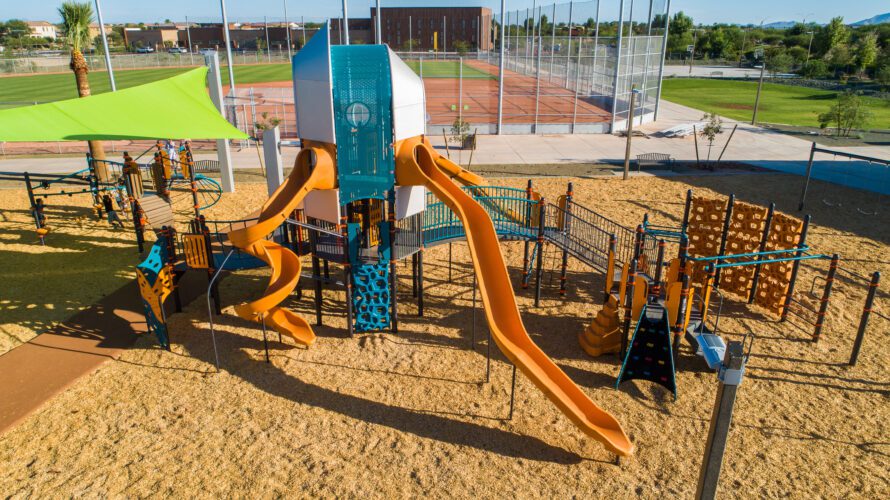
399, 24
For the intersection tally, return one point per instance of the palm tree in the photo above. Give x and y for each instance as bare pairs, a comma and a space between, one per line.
76, 19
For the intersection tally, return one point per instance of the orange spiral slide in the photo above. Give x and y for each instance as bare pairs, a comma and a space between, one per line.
418, 164
284, 263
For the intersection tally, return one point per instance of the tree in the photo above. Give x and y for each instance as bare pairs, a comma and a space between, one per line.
837, 33
680, 32
866, 51
778, 61
846, 114
839, 57
882, 75
710, 131
76, 19
461, 47
814, 68
411, 44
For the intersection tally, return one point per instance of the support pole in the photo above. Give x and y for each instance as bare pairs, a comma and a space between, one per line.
617, 66
540, 262
686, 210
727, 222
680, 323
795, 266
610, 267
731, 373
659, 268
759, 88
826, 296
316, 276
630, 131
501, 69
767, 227
806, 184
512, 393
420, 282
566, 231
344, 25
105, 46
393, 268
863, 320
473, 329
526, 243
628, 305
224, 154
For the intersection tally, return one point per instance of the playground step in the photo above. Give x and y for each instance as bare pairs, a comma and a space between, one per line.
158, 211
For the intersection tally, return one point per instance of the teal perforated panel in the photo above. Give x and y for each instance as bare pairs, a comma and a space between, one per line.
362, 90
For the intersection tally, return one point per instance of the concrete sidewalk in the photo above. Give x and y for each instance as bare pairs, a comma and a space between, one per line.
750, 144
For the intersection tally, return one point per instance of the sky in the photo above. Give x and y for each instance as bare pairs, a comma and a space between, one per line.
702, 11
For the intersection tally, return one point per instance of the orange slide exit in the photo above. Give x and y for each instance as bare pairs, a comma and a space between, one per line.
416, 164
284, 263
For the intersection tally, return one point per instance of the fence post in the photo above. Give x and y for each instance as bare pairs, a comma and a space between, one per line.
796, 266
863, 320
826, 296
767, 226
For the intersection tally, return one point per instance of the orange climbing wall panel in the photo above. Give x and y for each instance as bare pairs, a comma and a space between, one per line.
704, 228
745, 232
775, 277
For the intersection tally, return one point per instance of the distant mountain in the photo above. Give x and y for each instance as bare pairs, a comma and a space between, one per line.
879, 19
780, 25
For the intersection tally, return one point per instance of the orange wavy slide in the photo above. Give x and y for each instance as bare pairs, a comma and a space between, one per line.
284, 263
416, 164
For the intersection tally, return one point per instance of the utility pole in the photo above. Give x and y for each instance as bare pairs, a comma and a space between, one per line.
759, 88
105, 46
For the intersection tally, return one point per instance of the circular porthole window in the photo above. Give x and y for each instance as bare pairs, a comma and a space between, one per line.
358, 115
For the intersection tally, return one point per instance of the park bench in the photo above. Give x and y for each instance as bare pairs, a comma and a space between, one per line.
204, 166
653, 160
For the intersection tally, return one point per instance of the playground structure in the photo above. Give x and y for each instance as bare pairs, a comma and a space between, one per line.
725, 248
149, 190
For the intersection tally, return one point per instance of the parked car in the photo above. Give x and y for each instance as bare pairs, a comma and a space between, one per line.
177, 50
144, 50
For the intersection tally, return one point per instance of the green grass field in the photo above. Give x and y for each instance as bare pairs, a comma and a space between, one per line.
22, 90
782, 104
43, 88
448, 69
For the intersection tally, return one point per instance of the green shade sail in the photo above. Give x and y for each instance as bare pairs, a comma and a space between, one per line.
175, 108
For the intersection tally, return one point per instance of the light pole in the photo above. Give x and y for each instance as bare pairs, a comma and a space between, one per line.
379, 36
105, 46
759, 85
344, 25
287, 32
225, 19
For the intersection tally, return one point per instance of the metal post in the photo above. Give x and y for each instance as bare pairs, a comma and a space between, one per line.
344, 25
767, 227
542, 218
731, 372
379, 37
224, 154
667, 15
680, 323
617, 66
759, 88
410, 37
659, 268
420, 282
473, 329
686, 210
501, 70
806, 184
268, 44
538, 72
596, 39
567, 231
727, 221
610, 267
231, 63
795, 266
863, 320
525, 256
460, 91
630, 130
577, 84
188, 36
628, 305
265, 340
287, 32
105, 46
826, 296
569, 43
512, 392
393, 269
444, 35
552, 42
302, 32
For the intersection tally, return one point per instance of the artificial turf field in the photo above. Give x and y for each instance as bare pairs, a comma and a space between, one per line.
22, 90
781, 104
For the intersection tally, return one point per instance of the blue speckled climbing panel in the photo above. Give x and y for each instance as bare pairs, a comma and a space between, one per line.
371, 300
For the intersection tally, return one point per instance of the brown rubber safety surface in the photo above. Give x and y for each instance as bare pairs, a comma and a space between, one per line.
37, 370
